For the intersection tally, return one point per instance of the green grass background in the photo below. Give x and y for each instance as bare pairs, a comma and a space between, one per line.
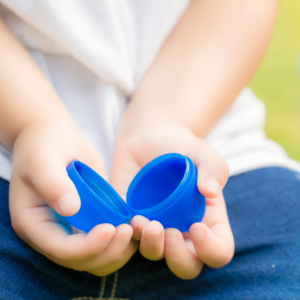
277, 82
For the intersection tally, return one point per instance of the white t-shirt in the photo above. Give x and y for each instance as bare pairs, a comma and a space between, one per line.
94, 52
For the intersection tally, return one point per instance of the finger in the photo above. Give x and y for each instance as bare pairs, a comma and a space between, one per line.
152, 241
41, 228
215, 245
102, 246
181, 261
114, 251
103, 271
51, 181
213, 171
51, 238
138, 223
82, 246
216, 212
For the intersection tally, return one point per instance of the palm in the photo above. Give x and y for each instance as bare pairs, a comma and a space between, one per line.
135, 152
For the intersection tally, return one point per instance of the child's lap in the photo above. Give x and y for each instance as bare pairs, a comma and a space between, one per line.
264, 209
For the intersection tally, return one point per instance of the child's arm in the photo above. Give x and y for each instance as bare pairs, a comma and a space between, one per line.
44, 138
210, 56
205, 63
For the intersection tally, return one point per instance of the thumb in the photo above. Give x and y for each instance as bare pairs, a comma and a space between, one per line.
213, 170
51, 181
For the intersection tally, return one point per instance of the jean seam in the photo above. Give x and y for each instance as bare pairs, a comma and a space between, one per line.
114, 287
102, 288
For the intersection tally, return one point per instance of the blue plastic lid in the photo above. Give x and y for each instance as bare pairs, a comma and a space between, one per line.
164, 190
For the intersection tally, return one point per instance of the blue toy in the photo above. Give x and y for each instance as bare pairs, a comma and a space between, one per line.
164, 190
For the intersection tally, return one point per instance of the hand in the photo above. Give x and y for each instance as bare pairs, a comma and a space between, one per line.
211, 241
40, 188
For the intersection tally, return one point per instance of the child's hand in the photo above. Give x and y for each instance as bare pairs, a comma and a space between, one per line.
210, 242
40, 185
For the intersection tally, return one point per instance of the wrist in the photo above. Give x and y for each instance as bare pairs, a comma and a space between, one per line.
152, 109
45, 128
151, 128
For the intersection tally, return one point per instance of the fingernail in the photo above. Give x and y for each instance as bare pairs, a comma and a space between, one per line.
108, 236
126, 238
197, 233
153, 236
171, 240
67, 204
212, 185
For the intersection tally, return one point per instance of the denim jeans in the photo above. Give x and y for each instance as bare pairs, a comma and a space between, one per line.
264, 212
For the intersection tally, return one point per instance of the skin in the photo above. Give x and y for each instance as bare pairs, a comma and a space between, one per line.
209, 57
207, 60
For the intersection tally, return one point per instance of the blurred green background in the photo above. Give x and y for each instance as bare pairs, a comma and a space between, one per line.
277, 82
